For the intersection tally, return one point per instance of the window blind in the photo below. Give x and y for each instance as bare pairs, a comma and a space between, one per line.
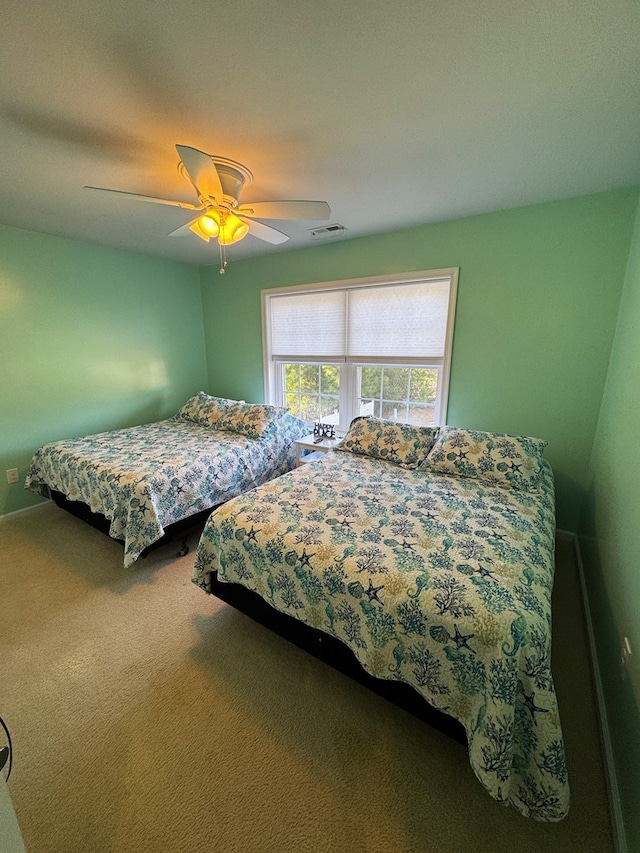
406, 320
307, 325
398, 320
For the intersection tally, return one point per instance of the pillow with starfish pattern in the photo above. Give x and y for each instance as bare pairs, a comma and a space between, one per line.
205, 410
507, 460
403, 444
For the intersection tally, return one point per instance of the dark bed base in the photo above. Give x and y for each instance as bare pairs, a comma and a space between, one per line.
333, 652
101, 523
321, 645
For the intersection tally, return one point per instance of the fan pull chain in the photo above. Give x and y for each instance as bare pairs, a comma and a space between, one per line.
223, 247
223, 258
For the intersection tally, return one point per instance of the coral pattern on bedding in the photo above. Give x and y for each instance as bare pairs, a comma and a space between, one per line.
507, 460
252, 419
437, 580
403, 444
205, 410
147, 477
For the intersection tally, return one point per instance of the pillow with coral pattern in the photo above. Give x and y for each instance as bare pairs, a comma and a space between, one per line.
507, 460
251, 419
403, 444
205, 410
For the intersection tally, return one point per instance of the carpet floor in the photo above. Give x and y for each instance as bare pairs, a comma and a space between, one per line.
147, 716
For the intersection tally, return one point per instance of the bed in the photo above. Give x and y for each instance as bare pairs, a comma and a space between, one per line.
143, 483
430, 558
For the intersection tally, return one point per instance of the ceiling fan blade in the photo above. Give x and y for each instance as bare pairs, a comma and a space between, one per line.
286, 209
201, 171
152, 199
185, 229
266, 232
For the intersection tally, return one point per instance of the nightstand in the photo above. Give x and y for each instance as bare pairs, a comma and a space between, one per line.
307, 449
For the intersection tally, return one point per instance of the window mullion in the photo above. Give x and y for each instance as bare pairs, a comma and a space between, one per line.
348, 395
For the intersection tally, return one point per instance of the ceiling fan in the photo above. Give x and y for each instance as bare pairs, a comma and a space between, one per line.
218, 183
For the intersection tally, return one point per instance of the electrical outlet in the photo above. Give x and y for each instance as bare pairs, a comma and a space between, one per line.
13, 475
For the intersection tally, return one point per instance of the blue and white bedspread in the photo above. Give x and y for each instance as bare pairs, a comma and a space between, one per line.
437, 580
147, 477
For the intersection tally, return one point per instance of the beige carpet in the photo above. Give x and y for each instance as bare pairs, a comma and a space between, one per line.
148, 716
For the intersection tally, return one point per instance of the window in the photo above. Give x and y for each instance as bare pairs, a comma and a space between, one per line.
378, 346
311, 391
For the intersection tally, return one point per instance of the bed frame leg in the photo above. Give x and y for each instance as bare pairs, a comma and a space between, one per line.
185, 548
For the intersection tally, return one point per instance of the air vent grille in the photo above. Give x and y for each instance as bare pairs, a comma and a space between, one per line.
327, 232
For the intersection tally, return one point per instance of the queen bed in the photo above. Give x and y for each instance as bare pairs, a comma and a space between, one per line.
430, 558
144, 483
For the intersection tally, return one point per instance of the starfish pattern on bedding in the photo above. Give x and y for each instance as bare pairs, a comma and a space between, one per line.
372, 591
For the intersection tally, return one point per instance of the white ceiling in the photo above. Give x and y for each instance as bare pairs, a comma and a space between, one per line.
396, 113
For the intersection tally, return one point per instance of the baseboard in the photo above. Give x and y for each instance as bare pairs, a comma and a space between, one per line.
10, 516
567, 535
617, 823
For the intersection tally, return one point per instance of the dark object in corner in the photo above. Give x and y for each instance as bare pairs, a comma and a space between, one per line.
6, 751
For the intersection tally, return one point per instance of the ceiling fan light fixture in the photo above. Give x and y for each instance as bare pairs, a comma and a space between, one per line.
226, 226
232, 229
197, 228
209, 224
218, 183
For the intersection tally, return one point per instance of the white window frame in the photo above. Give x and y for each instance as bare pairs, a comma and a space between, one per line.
348, 398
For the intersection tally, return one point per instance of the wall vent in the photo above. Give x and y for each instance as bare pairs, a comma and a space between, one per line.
327, 231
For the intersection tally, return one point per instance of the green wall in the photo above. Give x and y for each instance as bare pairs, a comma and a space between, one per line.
537, 304
610, 545
90, 339
547, 329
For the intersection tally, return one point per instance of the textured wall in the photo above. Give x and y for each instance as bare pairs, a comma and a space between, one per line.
90, 339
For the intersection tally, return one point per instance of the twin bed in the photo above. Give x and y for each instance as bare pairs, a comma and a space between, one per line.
419, 561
